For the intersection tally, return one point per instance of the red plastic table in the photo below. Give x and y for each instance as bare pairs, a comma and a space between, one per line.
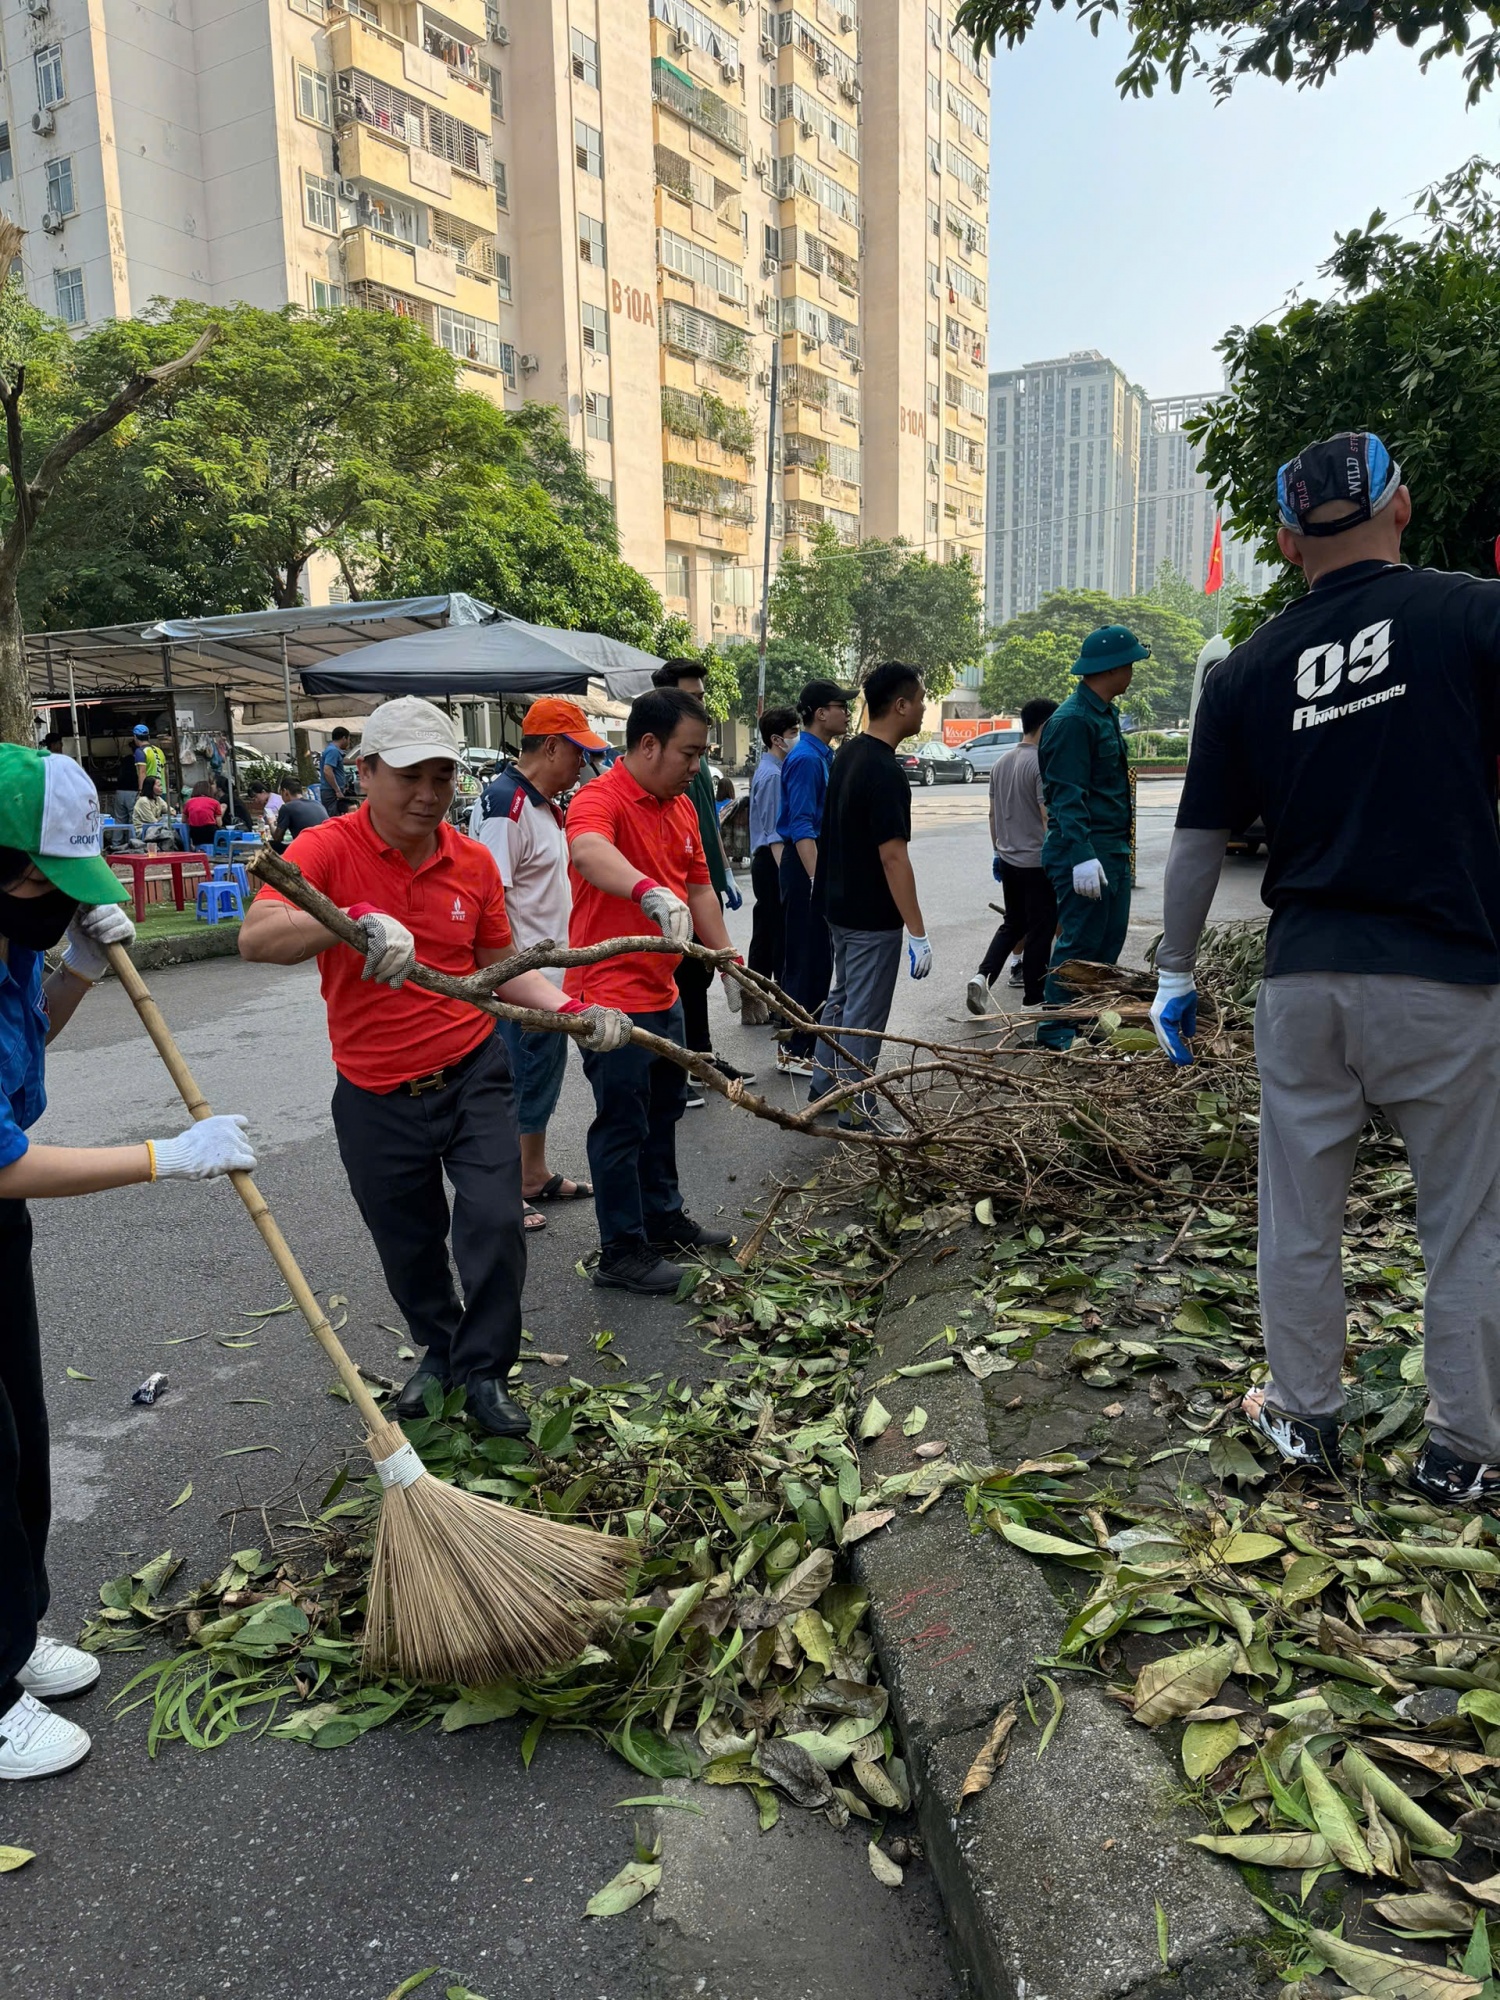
177, 863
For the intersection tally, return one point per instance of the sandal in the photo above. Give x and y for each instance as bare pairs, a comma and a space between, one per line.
552, 1190
1309, 1443
1441, 1475
531, 1220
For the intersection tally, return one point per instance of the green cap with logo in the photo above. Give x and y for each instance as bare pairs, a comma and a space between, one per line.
49, 810
1109, 646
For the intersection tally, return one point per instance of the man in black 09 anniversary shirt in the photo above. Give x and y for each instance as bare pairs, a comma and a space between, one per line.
1372, 694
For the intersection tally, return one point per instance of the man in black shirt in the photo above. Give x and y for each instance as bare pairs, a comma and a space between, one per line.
1360, 726
298, 813
866, 884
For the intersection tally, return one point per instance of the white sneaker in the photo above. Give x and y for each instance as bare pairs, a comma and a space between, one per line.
789, 1065
977, 995
55, 1670
35, 1743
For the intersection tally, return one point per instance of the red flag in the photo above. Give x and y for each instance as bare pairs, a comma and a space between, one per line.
1215, 579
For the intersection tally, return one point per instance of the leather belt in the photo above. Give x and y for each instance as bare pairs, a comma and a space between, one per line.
439, 1079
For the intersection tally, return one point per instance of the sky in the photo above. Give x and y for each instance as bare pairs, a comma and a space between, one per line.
1147, 227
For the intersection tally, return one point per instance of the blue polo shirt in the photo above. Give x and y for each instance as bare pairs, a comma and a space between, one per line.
804, 787
23, 1036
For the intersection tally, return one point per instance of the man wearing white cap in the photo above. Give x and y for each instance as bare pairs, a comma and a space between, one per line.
424, 1083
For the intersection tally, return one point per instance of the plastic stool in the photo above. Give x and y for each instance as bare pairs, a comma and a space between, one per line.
222, 844
217, 900
234, 871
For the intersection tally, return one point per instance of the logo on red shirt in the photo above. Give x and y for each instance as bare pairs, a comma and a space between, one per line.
458, 913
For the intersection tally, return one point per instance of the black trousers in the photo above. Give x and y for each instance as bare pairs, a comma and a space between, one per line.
1030, 913
632, 1143
807, 970
767, 932
694, 978
25, 1482
396, 1150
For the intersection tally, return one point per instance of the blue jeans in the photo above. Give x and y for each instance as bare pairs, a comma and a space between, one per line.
1093, 930
632, 1143
537, 1062
865, 968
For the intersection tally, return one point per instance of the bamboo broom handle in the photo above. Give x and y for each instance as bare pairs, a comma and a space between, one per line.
244, 1186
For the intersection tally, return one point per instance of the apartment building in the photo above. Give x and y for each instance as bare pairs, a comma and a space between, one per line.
1065, 441
1175, 509
627, 208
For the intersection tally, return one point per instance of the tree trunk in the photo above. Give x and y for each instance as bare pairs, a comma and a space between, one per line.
17, 718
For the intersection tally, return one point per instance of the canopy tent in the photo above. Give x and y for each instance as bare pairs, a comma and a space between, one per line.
504, 657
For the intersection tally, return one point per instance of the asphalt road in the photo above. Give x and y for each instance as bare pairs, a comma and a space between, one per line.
269, 1870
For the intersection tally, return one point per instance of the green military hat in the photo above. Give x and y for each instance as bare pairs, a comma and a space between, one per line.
1110, 646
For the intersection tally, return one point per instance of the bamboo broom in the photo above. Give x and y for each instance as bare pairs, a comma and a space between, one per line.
461, 1588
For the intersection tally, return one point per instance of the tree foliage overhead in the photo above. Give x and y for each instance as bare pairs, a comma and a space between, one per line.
1225, 40
790, 665
1034, 654
1407, 345
881, 601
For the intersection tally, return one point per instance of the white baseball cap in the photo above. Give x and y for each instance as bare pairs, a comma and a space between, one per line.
409, 731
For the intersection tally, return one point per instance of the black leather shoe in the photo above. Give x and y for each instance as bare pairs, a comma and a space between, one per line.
680, 1232
412, 1401
644, 1271
493, 1410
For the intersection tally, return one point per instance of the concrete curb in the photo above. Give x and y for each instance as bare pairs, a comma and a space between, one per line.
1052, 1878
188, 948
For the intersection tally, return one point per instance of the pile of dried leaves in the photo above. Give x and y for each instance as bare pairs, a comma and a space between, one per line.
743, 1657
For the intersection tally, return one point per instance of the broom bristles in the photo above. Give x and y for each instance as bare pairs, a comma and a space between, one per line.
467, 1590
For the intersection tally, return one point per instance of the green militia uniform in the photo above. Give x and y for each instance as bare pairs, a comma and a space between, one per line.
1086, 786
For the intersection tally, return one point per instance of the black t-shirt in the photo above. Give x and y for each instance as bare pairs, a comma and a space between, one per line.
295, 817
1360, 726
868, 803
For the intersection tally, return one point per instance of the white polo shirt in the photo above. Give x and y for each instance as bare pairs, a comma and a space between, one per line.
524, 832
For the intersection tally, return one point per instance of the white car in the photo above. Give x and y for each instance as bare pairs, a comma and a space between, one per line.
983, 752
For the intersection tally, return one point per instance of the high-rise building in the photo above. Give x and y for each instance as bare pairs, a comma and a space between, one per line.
1065, 441
1176, 511
617, 206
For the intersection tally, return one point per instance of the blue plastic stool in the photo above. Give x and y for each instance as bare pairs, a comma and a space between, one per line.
217, 900
234, 871
222, 843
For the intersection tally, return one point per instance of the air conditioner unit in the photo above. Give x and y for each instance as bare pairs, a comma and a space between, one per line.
37, 8
717, 614
730, 72
809, 343
529, 363
344, 81
343, 104
846, 24
807, 128
44, 122
763, 379
52, 221
823, 64
762, 163
847, 89
855, 363
348, 191
681, 43
767, 47
769, 266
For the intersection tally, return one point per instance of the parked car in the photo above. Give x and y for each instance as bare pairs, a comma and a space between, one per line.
984, 752
935, 763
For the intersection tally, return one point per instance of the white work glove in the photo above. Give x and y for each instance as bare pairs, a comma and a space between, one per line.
734, 993
918, 957
670, 914
390, 948
212, 1147
95, 926
609, 1029
1174, 1014
1089, 879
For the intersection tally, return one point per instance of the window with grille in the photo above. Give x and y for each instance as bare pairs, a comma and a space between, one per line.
322, 296
591, 240
68, 292
595, 322
459, 144
502, 190
388, 110
320, 203
313, 101
596, 415
502, 276
691, 260
489, 76
588, 147
934, 338
605, 488
50, 88
60, 187
585, 51
474, 341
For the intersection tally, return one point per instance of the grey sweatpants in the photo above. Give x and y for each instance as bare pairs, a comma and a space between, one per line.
1331, 1048
865, 969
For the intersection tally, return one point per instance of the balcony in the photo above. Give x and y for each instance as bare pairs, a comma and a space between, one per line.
703, 109
426, 274
697, 335
356, 44
382, 157
691, 490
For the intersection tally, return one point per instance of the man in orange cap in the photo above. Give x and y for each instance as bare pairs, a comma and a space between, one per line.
522, 826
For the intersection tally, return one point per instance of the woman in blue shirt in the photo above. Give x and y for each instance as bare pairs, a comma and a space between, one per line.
54, 888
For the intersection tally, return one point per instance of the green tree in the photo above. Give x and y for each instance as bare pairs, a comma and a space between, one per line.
790, 665
1162, 684
1408, 345
907, 607
562, 472
1224, 40
811, 595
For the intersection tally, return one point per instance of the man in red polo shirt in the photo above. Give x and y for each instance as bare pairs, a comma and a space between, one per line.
424, 1083
634, 850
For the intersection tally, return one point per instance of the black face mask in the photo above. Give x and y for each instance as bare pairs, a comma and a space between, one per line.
35, 923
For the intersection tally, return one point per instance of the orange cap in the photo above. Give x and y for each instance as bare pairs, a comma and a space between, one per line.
552, 716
